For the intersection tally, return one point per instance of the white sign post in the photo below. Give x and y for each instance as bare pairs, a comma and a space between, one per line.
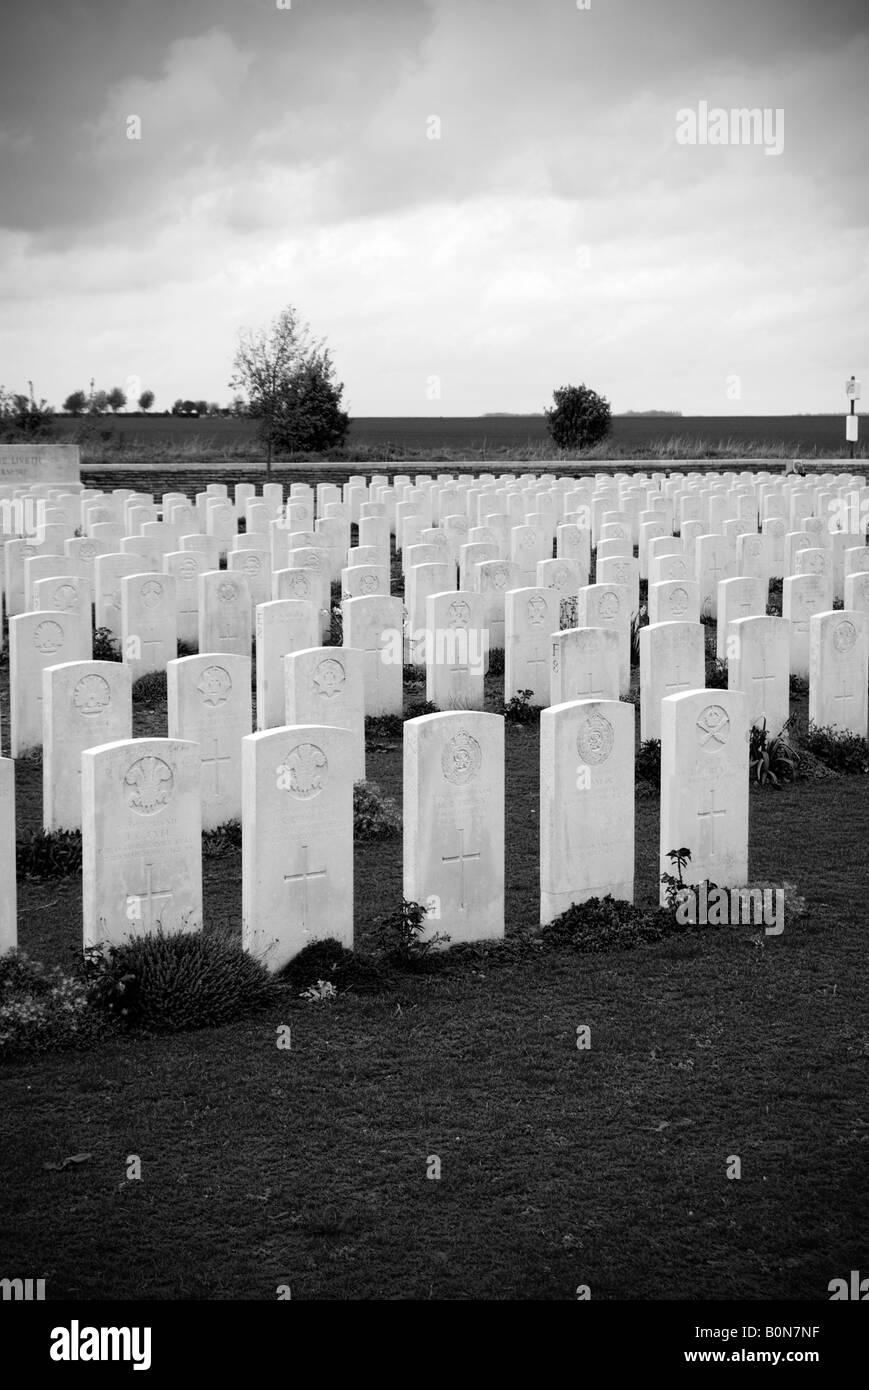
852, 391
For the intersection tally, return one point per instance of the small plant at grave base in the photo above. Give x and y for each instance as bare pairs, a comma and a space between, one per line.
678, 891
606, 924
336, 627
716, 675
413, 675
173, 982
375, 815
349, 972
106, 646
496, 661
150, 689
416, 708
519, 709
42, 854
384, 726
192, 649
648, 761
838, 749
400, 936
223, 839
43, 1009
568, 615
770, 760
320, 993
639, 620
798, 685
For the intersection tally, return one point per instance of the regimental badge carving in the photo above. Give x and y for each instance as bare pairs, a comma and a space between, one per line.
594, 741
48, 637
314, 561
609, 604
252, 564
461, 758
227, 592
215, 685
560, 577
300, 584
678, 567
65, 597
151, 592
776, 527
529, 540
621, 574
537, 610
459, 613
148, 785
844, 636
188, 568
747, 594
329, 677
679, 601
304, 771
91, 695
28, 551
713, 728
752, 549
499, 578
87, 550
617, 532
368, 584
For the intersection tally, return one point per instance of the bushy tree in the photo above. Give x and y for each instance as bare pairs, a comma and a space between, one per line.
116, 399
75, 403
146, 400
23, 416
288, 379
579, 418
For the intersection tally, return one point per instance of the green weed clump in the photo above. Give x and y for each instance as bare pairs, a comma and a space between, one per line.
44, 1009
375, 815
45, 854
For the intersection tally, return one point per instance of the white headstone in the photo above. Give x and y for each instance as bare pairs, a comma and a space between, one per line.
454, 822
282, 626
740, 597
84, 704
839, 655
759, 665
209, 704
373, 625
149, 624
456, 650
324, 686
585, 665
586, 804
672, 660
225, 621
531, 617
8, 895
37, 640
297, 840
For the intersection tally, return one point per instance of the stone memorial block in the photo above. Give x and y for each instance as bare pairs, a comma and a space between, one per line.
38, 567
360, 581
324, 685
282, 626
531, 617
16, 552
225, 621
420, 582
586, 804
711, 565
109, 570
84, 703
774, 529
752, 558
704, 785
527, 546
455, 651
25, 464
585, 665
297, 840
149, 625
674, 600
65, 593
839, 670
373, 625
252, 562
454, 823
672, 660
608, 605
147, 551
209, 704
621, 570
566, 577
220, 521
311, 557
207, 546
493, 578
857, 591
740, 597
666, 567
84, 551
8, 885
185, 567
759, 666
141, 840
802, 596
37, 640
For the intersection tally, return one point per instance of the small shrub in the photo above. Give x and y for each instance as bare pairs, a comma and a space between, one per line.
568, 612
327, 961
417, 708
519, 709
799, 685
183, 980
150, 689
375, 815
771, 761
716, 675
336, 627
648, 761
41, 854
106, 646
638, 621
605, 924
320, 993
842, 751
399, 936
496, 661
43, 1009
413, 675
580, 417
384, 726
224, 839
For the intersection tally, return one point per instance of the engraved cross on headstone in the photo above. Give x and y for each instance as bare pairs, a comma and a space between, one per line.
461, 859
711, 814
215, 762
152, 895
304, 878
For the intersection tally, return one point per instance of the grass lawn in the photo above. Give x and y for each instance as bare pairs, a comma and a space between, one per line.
558, 1167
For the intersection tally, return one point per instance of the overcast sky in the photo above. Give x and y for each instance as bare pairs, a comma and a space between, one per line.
557, 231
